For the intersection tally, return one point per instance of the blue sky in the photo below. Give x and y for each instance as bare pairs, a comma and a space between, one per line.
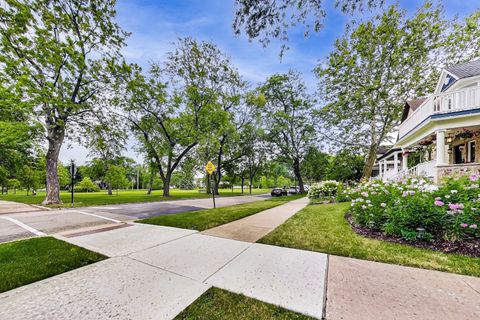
156, 24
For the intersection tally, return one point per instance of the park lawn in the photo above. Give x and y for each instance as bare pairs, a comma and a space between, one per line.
324, 228
124, 196
205, 219
221, 304
26, 261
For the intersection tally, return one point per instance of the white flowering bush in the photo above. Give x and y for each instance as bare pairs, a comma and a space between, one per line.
325, 191
446, 212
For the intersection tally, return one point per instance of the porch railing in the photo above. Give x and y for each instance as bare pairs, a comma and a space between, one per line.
463, 99
424, 169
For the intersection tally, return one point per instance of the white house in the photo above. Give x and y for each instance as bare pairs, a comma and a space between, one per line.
444, 127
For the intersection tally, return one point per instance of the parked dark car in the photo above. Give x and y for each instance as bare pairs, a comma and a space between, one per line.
278, 192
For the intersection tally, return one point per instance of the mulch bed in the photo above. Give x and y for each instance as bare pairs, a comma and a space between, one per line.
470, 247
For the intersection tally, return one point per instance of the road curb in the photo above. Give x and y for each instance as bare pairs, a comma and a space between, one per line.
40, 207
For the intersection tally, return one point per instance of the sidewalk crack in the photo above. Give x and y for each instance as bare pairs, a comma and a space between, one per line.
325, 288
206, 279
468, 284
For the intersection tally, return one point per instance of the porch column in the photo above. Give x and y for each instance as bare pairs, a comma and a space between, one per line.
380, 172
404, 160
395, 161
440, 147
385, 166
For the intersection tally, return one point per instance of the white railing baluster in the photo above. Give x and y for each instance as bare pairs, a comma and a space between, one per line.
463, 99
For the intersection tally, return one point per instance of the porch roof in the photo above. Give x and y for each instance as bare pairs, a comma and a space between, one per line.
388, 153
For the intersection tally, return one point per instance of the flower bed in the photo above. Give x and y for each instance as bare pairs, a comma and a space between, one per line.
417, 210
327, 191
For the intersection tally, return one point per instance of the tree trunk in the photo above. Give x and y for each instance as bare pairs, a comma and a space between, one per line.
243, 182
55, 136
298, 175
216, 182
110, 191
368, 167
150, 185
166, 184
250, 187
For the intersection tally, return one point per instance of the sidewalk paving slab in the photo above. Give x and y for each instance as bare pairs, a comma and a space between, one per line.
255, 227
290, 278
123, 241
7, 207
195, 256
56, 221
116, 288
365, 290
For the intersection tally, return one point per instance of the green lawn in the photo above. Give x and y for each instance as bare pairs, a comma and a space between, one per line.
26, 261
206, 219
124, 196
323, 228
220, 304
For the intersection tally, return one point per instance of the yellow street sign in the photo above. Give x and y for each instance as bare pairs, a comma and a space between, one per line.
210, 167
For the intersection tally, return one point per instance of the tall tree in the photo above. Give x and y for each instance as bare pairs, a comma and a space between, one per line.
315, 165
170, 121
288, 119
62, 53
255, 149
268, 20
241, 112
372, 70
463, 39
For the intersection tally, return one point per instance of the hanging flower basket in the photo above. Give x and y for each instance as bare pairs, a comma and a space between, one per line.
464, 135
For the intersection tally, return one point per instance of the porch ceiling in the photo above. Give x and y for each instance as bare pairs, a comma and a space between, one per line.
451, 125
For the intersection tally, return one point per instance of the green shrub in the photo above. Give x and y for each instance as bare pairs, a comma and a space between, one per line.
446, 212
87, 185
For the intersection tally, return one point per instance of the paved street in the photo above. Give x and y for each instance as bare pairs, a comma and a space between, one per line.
152, 209
18, 221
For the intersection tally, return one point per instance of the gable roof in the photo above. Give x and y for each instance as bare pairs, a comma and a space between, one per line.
411, 104
383, 149
465, 70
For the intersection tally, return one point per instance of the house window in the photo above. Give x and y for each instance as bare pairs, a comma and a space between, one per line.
471, 151
457, 153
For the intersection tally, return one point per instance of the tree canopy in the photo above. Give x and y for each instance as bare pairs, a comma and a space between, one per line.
62, 54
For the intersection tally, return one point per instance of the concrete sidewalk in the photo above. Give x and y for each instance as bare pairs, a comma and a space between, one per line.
255, 227
7, 207
365, 290
155, 272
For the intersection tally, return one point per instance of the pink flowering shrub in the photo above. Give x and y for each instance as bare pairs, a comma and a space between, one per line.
446, 212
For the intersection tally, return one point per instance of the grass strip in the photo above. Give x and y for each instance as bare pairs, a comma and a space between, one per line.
205, 219
26, 261
323, 228
124, 196
220, 304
